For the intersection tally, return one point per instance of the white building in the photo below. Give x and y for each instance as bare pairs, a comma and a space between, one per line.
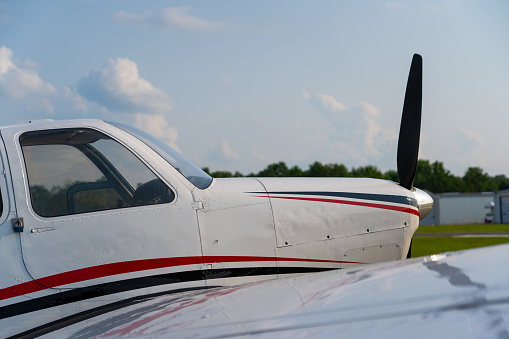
502, 207
461, 208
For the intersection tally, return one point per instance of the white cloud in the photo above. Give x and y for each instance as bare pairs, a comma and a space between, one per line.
228, 152
346, 151
47, 106
18, 81
372, 129
224, 153
358, 134
157, 126
470, 148
256, 120
78, 102
119, 88
171, 17
226, 79
261, 157
328, 102
465, 147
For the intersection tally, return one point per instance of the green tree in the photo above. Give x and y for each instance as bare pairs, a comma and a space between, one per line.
435, 178
336, 170
295, 171
317, 169
368, 171
275, 170
391, 175
475, 180
501, 181
442, 180
222, 174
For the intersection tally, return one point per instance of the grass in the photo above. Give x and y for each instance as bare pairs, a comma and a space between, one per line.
475, 228
433, 245
422, 246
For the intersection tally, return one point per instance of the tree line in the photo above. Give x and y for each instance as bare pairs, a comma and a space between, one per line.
433, 177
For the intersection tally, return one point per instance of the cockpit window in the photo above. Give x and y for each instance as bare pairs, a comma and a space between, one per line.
74, 171
189, 170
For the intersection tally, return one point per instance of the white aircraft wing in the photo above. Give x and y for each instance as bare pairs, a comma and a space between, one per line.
453, 295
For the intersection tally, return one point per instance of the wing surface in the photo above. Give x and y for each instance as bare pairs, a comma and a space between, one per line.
453, 295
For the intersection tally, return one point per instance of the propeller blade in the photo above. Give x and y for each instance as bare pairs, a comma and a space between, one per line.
410, 129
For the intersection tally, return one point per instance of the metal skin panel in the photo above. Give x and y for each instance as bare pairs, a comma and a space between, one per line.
95, 241
456, 295
356, 250
11, 264
314, 210
235, 224
385, 252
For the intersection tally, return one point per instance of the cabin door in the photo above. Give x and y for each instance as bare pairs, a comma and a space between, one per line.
95, 214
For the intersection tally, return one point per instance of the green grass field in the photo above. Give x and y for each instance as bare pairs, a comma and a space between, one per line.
477, 228
422, 246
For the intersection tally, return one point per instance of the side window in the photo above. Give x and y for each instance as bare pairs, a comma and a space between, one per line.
74, 171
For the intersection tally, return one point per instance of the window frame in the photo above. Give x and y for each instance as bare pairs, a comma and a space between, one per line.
100, 161
6, 190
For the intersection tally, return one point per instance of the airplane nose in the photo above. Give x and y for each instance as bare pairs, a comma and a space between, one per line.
424, 201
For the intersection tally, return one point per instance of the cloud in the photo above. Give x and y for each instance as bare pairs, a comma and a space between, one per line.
324, 101
171, 17
371, 113
255, 120
330, 103
78, 102
459, 148
119, 88
224, 153
226, 79
358, 134
18, 81
47, 106
157, 126
470, 147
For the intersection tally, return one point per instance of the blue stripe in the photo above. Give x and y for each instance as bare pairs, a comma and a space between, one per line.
398, 199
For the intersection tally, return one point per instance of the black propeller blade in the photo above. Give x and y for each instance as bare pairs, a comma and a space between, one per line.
410, 129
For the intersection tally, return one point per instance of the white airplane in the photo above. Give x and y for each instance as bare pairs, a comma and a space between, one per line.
453, 295
97, 215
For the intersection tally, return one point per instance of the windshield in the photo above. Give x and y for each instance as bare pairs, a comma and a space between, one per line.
189, 170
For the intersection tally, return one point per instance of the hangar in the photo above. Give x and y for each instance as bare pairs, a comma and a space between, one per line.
464, 208
501, 212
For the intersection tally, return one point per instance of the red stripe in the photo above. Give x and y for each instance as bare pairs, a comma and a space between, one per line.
355, 203
94, 272
106, 270
222, 259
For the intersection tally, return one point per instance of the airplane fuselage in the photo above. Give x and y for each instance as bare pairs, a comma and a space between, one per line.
92, 215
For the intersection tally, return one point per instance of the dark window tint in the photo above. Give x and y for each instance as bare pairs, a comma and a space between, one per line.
81, 170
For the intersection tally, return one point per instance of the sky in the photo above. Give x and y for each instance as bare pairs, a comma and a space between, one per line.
238, 85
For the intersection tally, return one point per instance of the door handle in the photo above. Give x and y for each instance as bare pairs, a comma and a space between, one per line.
42, 229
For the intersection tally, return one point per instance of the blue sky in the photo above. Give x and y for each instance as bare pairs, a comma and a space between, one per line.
236, 85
